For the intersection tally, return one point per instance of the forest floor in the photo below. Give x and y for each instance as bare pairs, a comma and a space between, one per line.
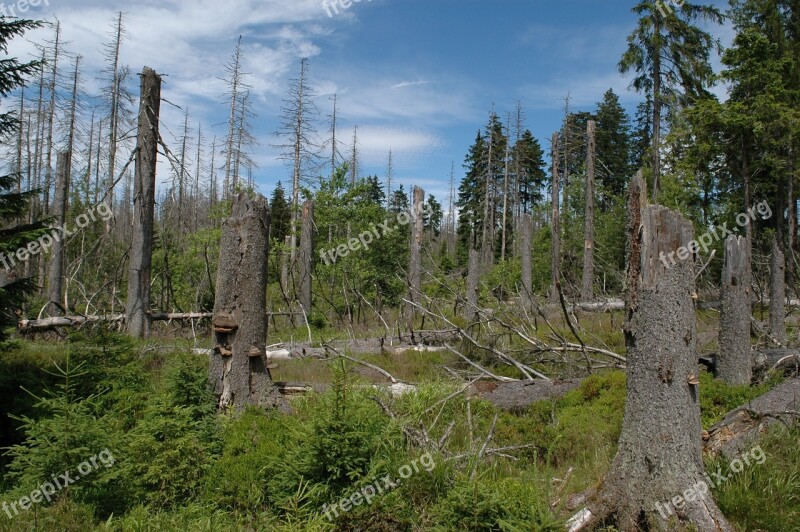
488, 456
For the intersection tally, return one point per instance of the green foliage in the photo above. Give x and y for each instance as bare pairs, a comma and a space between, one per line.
717, 397
167, 454
764, 496
14, 206
67, 432
491, 504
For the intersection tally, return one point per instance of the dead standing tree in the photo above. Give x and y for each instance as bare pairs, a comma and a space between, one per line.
734, 363
526, 234
306, 255
138, 305
777, 295
238, 370
587, 291
659, 463
415, 260
555, 226
473, 274
55, 277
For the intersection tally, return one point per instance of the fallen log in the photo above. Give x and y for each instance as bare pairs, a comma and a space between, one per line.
741, 427
49, 324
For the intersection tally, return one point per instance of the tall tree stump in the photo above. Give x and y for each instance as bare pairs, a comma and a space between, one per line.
306, 255
734, 363
55, 274
138, 304
555, 226
777, 295
526, 235
654, 478
415, 257
238, 369
587, 285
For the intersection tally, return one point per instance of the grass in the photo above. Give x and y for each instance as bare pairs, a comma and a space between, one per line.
274, 472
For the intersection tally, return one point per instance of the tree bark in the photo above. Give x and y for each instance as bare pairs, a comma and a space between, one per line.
555, 226
306, 255
473, 275
734, 364
526, 234
587, 292
238, 369
415, 260
138, 304
55, 277
777, 295
659, 458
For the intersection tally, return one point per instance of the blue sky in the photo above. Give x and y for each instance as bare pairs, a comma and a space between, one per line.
417, 76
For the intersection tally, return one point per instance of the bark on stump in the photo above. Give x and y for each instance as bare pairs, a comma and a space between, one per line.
55, 274
238, 370
138, 304
659, 457
526, 235
306, 255
473, 274
734, 363
777, 295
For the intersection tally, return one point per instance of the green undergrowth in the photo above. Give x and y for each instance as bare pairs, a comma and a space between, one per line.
180, 465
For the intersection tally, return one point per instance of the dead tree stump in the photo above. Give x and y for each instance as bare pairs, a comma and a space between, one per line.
473, 275
415, 258
777, 295
656, 479
285, 258
587, 285
306, 255
238, 369
138, 304
526, 235
55, 274
734, 363
555, 226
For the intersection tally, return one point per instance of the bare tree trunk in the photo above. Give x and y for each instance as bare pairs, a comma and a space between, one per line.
555, 226
526, 235
415, 259
777, 295
473, 276
659, 463
656, 113
306, 255
734, 363
505, 195
285, 262
487, 247
587, 291
138, 305
790, 254
55, 277
238, 369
